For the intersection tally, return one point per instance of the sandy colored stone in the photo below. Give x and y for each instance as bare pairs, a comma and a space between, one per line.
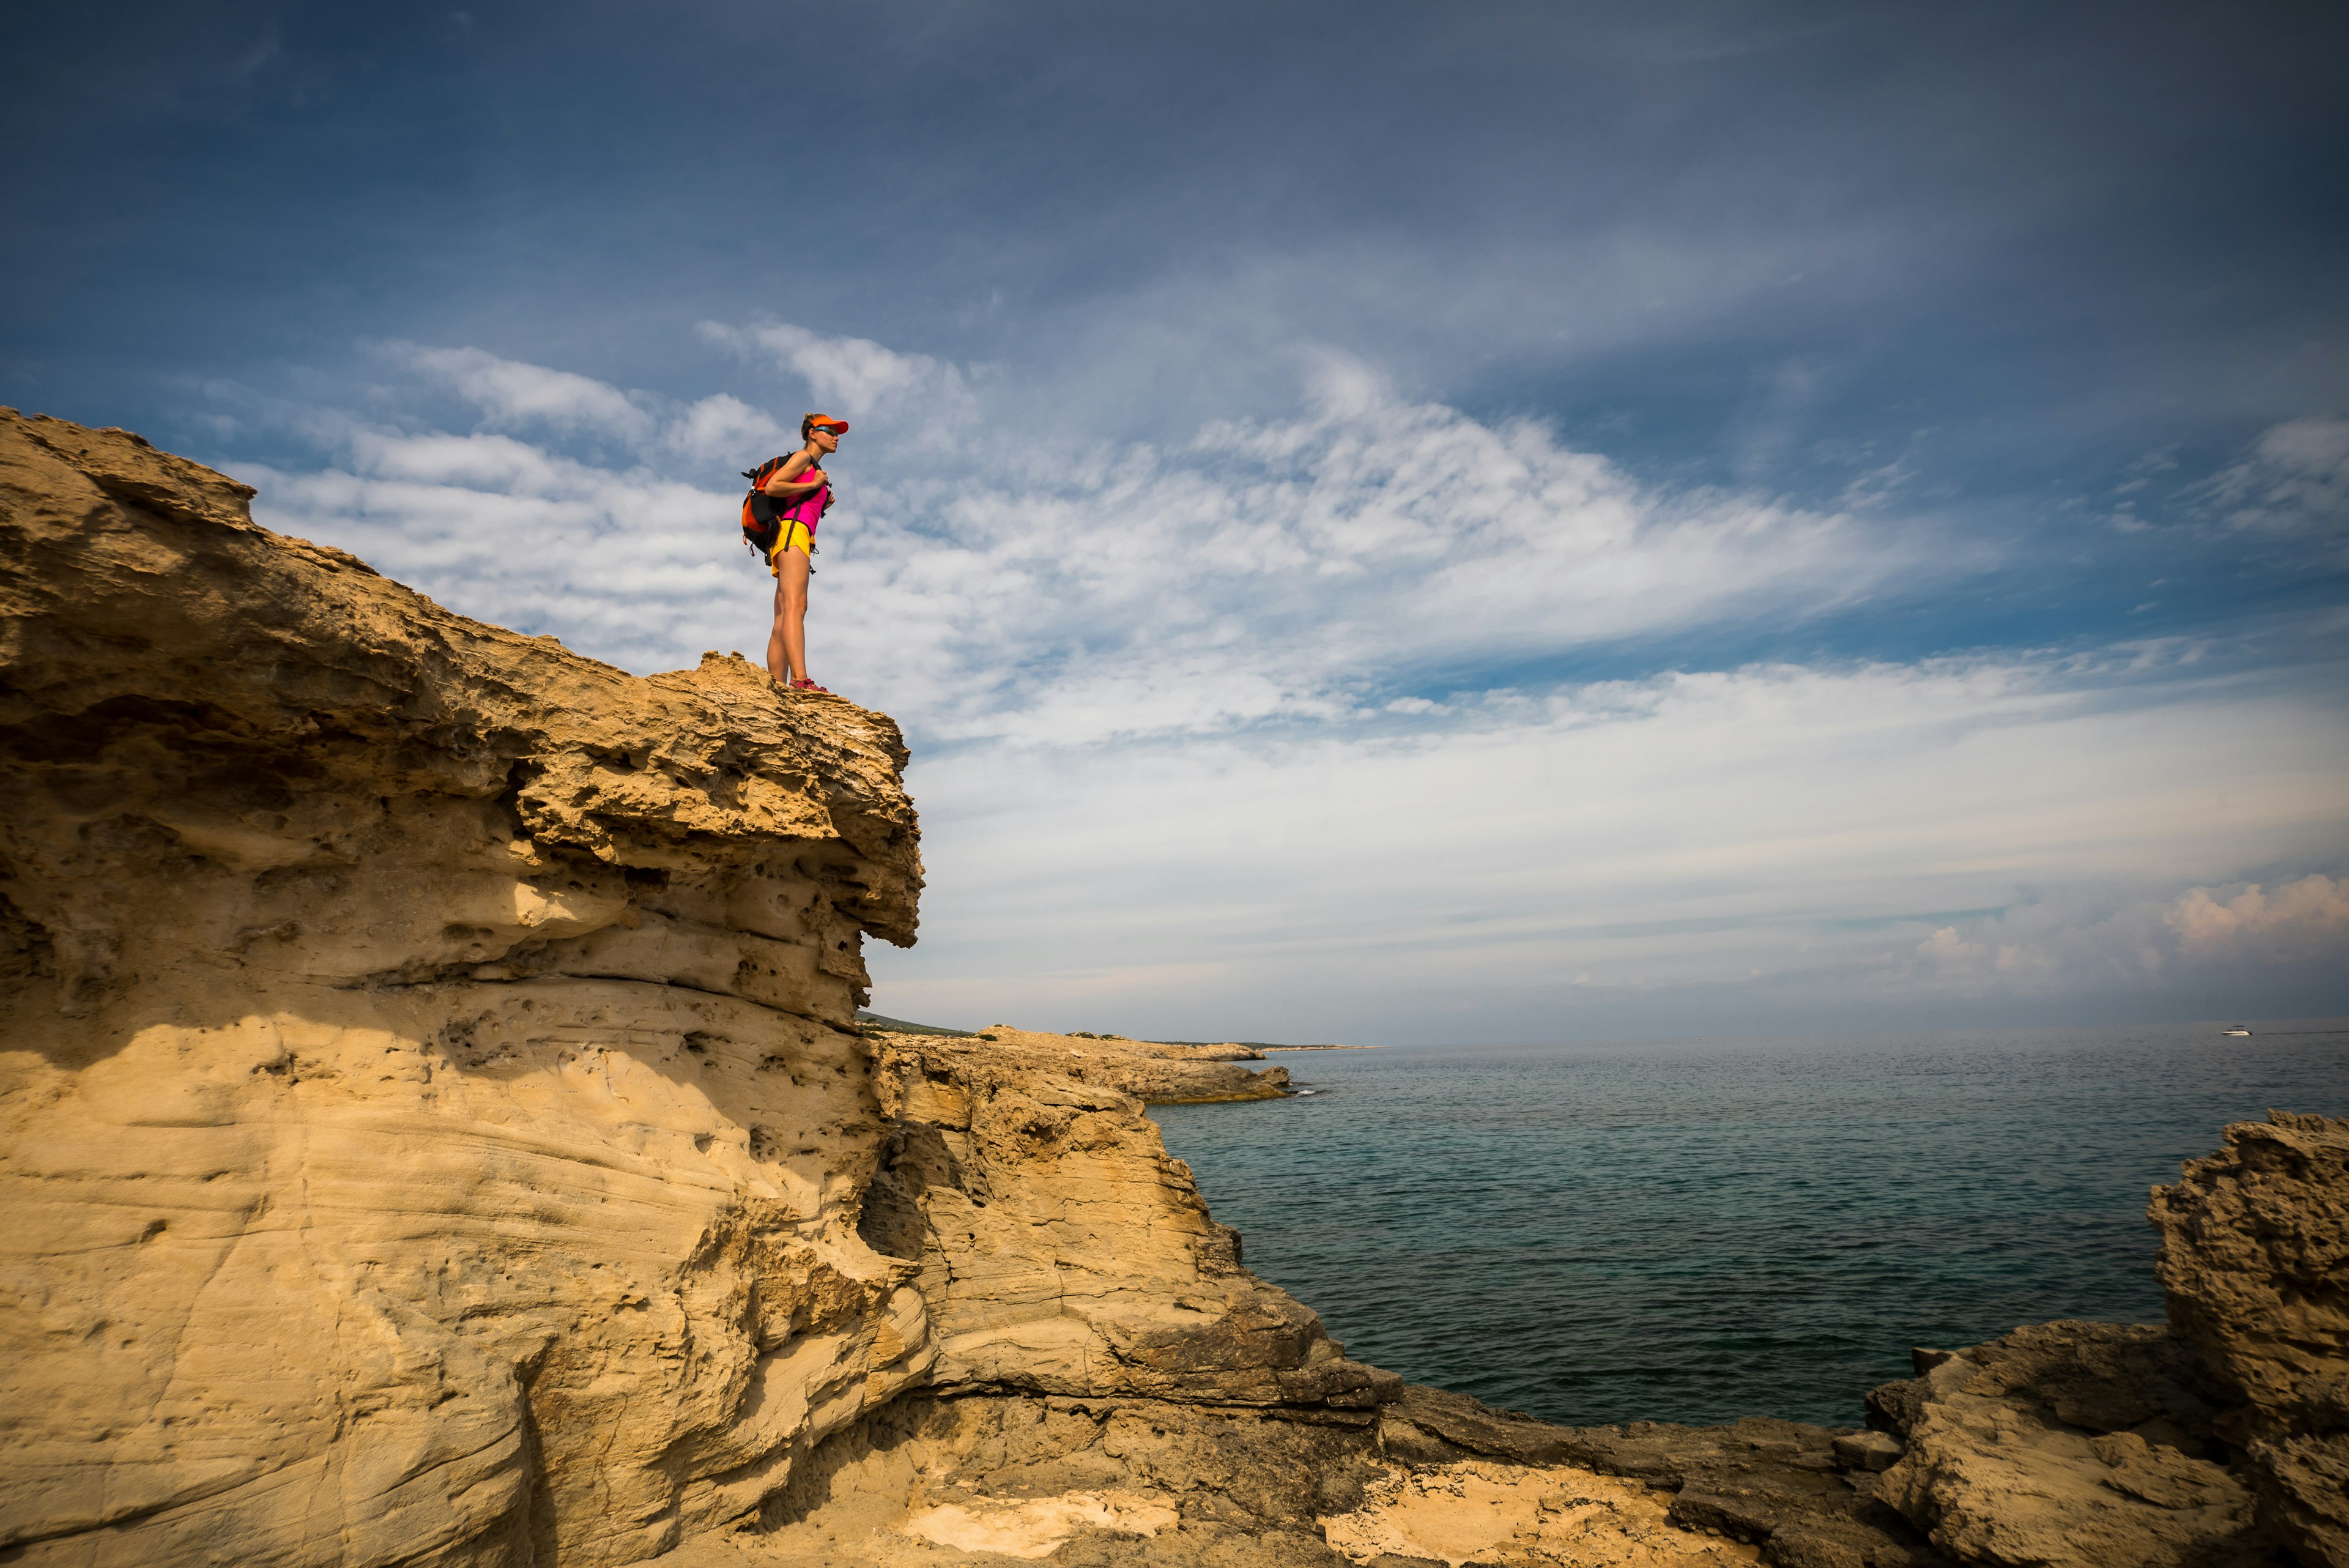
1108, 1483
1124, 1483
1155, 1073
434, 1131
2069, 1445
432, 1121
1061, 1251
1037, 1526
1993, 1481
2255, 1263
1480, 1512
430, 1124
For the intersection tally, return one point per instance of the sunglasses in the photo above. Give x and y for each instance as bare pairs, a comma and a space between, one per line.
833, 430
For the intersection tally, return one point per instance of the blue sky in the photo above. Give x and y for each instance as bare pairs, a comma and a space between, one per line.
1383, 523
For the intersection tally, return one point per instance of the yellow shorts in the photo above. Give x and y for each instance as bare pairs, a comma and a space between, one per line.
791, 534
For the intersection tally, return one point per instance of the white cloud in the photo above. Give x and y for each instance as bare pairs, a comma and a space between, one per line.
1311, 568
1250, 729
513, 394
2296, 476
851, 377
2311, 915
1805, 843
723, 428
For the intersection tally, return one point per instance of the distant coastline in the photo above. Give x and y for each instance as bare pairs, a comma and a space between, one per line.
902, 1026
1259, 1045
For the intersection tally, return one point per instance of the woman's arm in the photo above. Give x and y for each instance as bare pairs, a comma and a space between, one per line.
782, 483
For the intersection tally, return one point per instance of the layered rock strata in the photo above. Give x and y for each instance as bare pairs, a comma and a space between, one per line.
1121, 1483
1060, 1251
430, 1129
1152, 1073
431, 1118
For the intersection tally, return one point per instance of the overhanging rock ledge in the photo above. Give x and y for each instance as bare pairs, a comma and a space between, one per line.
433, 1124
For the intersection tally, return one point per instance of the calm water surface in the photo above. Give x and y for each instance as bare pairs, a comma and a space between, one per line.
1696, 1231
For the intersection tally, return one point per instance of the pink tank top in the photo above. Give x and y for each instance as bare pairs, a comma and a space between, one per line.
808, 509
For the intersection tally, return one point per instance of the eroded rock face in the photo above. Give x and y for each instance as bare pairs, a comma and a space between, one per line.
433, 1130
927, 1482
432, 1121
1150, 1483
2069, 1445
1152, 1073
2222, 1438
1060, 1249
1804, 1496
2255, 1263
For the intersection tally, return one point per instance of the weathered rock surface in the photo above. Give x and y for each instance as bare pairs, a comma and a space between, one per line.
2255, 1264
2066, 1444
430, 1132
1121, 1483
1098, 1481
2221, 1438
1060, 1251
432, 1124
1804, 1494
1152, 1073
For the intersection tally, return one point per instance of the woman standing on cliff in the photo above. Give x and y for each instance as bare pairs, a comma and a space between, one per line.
788, 496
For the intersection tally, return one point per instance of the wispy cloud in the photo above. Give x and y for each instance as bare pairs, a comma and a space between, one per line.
851, 377
1768, 847
512, 395
1273, 721
2295, 478
1364, 550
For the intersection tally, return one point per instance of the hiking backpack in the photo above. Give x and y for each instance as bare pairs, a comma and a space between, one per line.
758, 507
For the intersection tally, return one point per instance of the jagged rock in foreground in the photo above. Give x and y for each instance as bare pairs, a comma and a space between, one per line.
1433, 1477
2221, 1439
2067, 1443
431, 1131
2255, 1264
432, 1124
1061, 1251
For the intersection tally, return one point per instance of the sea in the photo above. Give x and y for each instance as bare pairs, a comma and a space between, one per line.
1694, 1231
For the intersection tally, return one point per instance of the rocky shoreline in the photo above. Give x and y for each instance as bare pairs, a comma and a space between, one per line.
438, 1131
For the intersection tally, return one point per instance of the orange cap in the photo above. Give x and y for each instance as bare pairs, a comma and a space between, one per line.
824, 422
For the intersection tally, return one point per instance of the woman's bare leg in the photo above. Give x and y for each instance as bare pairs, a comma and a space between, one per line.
787, 644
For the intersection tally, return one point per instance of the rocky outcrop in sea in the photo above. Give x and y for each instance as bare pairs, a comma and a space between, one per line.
435, 1130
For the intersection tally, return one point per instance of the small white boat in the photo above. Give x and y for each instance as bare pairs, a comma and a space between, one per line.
2234, 1029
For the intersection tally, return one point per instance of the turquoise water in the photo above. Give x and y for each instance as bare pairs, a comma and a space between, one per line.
1696, 1231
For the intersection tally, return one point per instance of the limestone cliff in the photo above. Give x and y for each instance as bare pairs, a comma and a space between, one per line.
432, 1120
1061, 1251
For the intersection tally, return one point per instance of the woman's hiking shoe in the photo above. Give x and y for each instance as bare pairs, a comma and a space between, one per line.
810, 685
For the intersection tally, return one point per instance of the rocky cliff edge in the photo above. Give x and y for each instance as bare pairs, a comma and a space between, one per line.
432, 1122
